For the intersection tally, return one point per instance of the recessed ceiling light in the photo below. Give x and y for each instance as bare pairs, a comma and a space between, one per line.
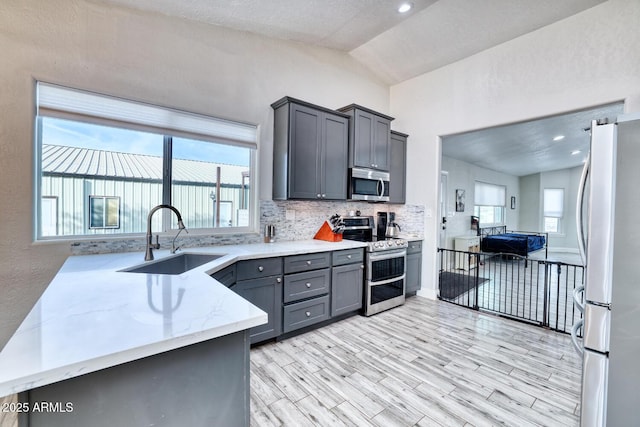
558, 138
405, 7
574, 152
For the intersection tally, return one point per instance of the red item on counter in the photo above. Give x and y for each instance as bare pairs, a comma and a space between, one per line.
325, 233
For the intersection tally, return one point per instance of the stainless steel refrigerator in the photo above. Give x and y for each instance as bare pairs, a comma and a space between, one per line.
610, 239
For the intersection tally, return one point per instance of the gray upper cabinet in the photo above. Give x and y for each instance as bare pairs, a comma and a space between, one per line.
398, 169
369, 138
310, 150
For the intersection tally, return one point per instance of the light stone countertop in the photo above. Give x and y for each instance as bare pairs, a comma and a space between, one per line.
93, 316
410, 237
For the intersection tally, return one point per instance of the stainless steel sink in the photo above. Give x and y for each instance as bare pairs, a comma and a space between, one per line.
176, 264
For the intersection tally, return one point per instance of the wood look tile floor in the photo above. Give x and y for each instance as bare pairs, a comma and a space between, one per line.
426, 363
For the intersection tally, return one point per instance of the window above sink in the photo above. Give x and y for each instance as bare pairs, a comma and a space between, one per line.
104, 162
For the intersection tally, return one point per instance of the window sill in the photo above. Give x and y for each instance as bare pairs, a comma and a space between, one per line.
209, 232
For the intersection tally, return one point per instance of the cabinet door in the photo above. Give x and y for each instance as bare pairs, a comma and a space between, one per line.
226, 276
414, 272
334, 158
397, 168
363, 137
266, 294
380, 143
306, 134
347, 283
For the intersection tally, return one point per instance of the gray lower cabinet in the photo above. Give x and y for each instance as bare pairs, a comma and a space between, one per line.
398, 168
203, 384
347, 281
266, 294
298, 290
307, 287
414, 267
310, 151
259, 281
226, 276
346, 288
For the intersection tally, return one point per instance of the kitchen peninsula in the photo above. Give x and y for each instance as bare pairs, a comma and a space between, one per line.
108, 347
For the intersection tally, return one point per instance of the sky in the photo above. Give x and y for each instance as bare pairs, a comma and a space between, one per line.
84, 135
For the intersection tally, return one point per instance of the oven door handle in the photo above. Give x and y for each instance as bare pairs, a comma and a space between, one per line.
379, 256
384, 282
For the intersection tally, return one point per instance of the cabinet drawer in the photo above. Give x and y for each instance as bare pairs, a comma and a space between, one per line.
226, 276
305, 313
305, 285
255, 268
349, 256
414, 247
306, 262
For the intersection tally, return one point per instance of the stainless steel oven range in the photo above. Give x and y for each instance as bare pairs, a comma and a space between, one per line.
385, 266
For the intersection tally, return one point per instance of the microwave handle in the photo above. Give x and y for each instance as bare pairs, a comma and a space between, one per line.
381, 187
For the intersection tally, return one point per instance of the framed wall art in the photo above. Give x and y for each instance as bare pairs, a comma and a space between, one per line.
459, 200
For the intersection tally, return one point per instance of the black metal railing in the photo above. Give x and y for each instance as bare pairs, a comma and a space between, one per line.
537, 291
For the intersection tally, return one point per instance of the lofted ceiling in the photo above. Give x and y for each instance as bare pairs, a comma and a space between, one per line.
397, 47
525, 148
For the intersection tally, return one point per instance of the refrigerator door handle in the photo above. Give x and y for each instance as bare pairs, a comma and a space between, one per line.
577, 300
582, 244
574, 337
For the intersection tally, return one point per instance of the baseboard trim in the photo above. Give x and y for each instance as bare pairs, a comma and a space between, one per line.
564, 250
428, 293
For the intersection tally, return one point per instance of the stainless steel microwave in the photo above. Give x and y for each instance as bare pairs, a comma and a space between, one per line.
367, 184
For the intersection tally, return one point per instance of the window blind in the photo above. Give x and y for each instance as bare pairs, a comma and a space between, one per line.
68, 103
553, 202
489, 194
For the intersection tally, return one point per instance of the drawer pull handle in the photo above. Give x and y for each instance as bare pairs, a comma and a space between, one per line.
348, 256
308, 285
260, 268
308, 262
308, 313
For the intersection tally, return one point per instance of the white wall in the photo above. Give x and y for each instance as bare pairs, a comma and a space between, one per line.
463, 175
532, 213
147, 57
530, 202
582, 61
568, 180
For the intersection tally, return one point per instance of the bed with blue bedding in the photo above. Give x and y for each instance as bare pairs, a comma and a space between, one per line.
522, 243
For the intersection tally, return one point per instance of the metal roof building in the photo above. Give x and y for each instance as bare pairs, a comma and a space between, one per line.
80, 185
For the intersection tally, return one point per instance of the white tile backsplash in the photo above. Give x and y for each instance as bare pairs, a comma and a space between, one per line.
293, 220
